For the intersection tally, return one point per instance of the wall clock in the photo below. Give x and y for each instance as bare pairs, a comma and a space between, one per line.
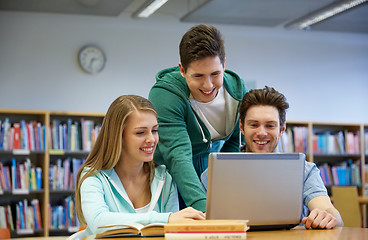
92, 59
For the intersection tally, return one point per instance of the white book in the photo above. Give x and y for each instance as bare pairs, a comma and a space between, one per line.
31, 136
2, 217
73, 137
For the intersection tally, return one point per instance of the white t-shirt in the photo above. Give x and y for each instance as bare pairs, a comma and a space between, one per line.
213, 114
142, 209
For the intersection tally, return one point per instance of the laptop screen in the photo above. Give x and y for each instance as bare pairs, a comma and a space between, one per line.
265, 188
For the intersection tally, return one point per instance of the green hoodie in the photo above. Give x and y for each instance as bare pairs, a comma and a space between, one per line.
184, 140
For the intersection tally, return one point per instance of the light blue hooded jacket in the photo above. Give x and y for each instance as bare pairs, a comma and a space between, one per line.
105, 202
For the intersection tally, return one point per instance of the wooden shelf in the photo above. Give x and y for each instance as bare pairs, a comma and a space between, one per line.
42, 159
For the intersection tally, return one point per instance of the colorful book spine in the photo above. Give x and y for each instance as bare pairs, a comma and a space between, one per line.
39, 177
6, 219
10, 218
14, 174
7, 175
37, 213
62, 174
19, 135
2, 178
21, 215
16, 141
31, 136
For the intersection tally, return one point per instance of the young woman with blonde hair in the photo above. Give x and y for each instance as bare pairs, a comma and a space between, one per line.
119, 181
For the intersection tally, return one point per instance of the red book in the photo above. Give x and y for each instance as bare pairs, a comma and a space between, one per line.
16, 141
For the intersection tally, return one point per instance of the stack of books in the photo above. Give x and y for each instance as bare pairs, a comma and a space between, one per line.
196, 229
207, 229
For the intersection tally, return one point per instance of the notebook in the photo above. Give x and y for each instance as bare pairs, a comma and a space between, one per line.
265, 188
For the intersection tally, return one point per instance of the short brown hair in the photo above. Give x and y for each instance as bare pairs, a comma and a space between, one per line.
199, 42
267, 96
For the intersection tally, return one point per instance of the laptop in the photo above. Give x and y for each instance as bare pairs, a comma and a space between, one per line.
264, 188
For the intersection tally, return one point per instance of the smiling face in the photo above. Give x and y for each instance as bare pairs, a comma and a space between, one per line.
140, 137
261, 129
204, 78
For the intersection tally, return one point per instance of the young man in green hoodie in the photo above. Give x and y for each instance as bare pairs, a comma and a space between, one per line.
197, 105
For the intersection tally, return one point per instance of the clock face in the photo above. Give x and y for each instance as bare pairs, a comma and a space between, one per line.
92, 59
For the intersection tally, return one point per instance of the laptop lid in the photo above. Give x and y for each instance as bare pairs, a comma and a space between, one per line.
265, 188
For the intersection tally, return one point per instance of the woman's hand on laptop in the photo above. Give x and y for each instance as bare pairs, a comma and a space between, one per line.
319, 219
188, 213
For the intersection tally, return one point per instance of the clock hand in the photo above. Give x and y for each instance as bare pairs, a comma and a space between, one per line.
91, 62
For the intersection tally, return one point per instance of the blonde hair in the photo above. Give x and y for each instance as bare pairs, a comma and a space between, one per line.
107, 150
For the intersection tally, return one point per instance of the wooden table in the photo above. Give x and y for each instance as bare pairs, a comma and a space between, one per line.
340, 233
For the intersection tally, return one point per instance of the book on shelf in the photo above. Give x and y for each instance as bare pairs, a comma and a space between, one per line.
206, 235
3, 180
286, 141
6, 218
294, 139
36, 214
62, 173
13, 173
28, 216
16, 139
21, 135
24, 177
64, 216
300, 139
73, 135
6, 135
132, 229
352, 142
343, 174
3, 220
7, 176
71, 215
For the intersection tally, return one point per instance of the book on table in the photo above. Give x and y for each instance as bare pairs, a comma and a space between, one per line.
231, 229
207, 229
206, 235
215, 225
131, 230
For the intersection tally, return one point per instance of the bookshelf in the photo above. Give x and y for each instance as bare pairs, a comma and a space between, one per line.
35, 148
72, 136
338, 149
20, 196
296, 138
56, 192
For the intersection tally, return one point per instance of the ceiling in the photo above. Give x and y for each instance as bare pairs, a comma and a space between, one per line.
258, 13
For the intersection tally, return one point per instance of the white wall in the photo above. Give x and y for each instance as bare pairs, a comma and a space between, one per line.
323, 75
